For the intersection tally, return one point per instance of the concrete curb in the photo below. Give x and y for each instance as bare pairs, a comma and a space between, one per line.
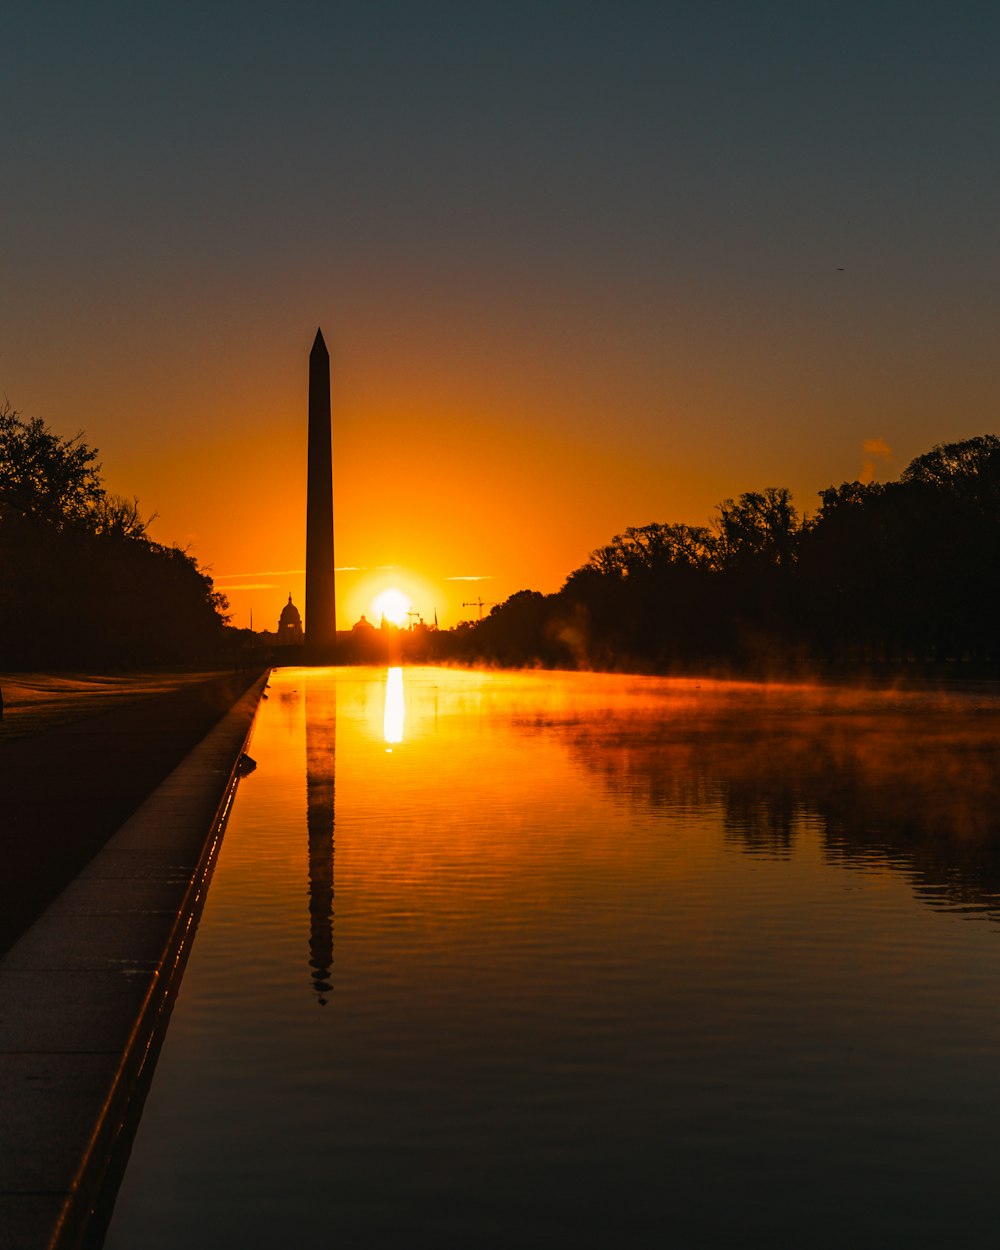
86, 993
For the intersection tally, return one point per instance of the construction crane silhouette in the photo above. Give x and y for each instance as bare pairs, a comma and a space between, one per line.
480, 604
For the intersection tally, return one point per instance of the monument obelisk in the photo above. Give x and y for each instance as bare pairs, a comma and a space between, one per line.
321, 603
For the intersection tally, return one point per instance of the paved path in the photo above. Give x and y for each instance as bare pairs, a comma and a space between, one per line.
77, 757
86, 992
37, 702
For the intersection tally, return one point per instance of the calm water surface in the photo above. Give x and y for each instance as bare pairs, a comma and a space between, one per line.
575, 960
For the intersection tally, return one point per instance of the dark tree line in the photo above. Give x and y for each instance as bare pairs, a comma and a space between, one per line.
81, 581
882, 574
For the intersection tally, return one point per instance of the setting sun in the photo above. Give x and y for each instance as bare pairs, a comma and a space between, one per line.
393, 605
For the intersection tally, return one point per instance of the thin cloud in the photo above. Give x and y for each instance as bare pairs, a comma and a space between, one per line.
252, 586
471, 577
230, 577
874, 449
238, 577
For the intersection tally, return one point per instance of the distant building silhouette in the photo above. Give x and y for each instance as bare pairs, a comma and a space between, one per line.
289, 626
321, 605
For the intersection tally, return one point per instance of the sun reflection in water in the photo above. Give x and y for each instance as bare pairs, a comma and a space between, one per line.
393, 720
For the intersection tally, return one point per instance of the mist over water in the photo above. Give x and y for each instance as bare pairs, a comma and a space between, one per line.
569, 959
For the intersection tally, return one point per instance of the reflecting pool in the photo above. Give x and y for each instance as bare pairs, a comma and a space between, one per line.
548, 959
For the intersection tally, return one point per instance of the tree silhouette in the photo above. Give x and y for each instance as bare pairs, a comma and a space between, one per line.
884, 573
44, 475
81, 582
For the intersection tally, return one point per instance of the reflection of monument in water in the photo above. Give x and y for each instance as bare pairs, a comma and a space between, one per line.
321, 747
321, 604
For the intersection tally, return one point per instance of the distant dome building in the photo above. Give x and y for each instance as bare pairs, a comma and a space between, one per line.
290, 626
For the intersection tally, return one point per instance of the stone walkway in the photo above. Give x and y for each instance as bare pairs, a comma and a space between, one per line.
37, 702
77, 757
85, 994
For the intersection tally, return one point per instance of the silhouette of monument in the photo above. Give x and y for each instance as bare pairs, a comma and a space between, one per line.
321, 754
321, 604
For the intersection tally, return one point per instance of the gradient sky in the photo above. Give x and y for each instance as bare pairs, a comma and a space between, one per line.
580, 266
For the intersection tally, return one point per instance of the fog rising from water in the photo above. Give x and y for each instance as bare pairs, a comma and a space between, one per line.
910, 780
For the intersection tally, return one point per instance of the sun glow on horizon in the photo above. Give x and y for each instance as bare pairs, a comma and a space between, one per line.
393, 605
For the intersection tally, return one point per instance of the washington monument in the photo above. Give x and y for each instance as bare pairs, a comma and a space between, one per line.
321, 603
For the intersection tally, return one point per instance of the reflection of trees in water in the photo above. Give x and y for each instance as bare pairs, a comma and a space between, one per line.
936, 823
760, 822
915, 789
662, 775
321, 744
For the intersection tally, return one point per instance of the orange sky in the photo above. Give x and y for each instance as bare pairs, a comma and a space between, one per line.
577, 271
466, 477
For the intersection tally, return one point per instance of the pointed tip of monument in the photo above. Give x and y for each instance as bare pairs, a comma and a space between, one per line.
319, 341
